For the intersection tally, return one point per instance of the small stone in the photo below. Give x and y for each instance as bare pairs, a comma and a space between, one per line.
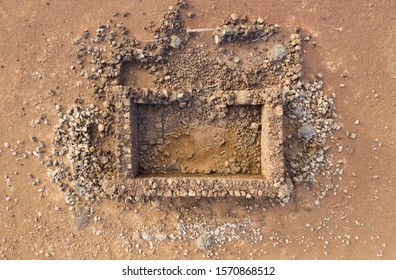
190, 155
306, 132
101, 127
106, 104
219, 140
278, 52
342, 85
175, 42
204, 241
146, 236
173, 166
217, 39
190, 14
143, 147
234, 16
255, 126
6, 145
351, 135
104, 159
320, 158
155, 203
357, 122
244, 19
41, 144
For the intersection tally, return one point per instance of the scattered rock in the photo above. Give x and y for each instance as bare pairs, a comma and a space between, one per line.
309, 112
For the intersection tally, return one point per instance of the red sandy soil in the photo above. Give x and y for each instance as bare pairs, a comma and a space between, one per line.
357, 38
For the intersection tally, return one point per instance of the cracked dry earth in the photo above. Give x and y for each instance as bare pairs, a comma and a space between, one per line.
343, 212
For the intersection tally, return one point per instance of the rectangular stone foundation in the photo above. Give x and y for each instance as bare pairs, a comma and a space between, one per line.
271, 181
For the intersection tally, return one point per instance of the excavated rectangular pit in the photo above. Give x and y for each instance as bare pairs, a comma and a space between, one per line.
169, 145
177, 141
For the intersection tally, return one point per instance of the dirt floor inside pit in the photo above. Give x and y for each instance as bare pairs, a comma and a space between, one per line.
350, 43
183, 141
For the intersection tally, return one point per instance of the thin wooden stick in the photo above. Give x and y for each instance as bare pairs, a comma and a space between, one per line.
196, 30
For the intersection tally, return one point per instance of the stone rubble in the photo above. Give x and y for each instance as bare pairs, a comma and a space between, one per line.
83, 130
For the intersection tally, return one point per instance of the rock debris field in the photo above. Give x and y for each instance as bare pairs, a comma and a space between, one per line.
197, 113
